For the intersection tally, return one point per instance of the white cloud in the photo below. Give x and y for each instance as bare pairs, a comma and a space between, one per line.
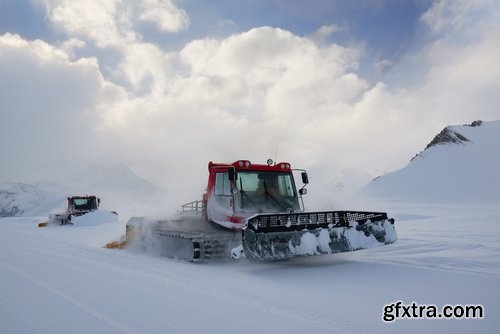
274, 73
463, 74
244, 95
69, 46
456, 14
383, 65
323, 34
112, 23
164, 15
99, 21
144, 67
49, 103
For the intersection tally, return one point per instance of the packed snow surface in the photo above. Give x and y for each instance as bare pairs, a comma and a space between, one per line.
95, 218
59, 279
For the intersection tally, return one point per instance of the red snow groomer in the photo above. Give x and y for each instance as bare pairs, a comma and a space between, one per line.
263, 205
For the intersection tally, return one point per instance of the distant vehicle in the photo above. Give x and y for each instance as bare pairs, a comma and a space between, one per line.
77, 206
264, 205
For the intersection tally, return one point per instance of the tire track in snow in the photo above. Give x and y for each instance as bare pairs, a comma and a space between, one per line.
244, 301
215, 302
233, 317
436, 255
36, 252
111, 323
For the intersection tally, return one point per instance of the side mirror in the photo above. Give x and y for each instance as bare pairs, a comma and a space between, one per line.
305, 179
231, 173
98, 201
303, 191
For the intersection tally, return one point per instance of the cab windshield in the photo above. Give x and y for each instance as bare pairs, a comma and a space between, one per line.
85, 203
266, 192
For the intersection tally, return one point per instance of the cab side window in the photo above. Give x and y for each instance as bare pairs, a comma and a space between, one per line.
222, 185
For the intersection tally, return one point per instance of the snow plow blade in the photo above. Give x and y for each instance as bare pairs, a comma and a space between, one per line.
272, 237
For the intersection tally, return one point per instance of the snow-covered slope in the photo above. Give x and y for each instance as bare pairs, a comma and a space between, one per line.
19, 199
332, 185
461, 164
339, 179
88, 178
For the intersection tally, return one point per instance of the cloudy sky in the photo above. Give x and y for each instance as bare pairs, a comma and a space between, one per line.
165, 86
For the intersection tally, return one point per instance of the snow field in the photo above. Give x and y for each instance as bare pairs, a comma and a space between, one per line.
59, 279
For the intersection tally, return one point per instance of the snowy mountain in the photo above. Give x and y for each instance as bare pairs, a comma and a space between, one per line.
340, 179
79, 178
333, 184
45, 189
461, 164
18, 199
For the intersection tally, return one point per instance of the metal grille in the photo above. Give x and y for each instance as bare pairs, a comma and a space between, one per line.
310, 220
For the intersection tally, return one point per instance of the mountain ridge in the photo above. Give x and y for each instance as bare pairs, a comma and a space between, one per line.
42, 192
460, 164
